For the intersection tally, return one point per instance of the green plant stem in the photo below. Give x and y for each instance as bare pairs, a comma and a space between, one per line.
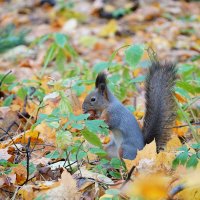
194, 134
114, 54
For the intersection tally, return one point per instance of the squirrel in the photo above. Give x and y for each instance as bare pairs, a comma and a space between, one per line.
127, 137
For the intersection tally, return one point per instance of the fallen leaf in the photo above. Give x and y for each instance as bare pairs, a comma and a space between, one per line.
149, 187
66, 190
21, 173
109, 29
148, 153
4, 155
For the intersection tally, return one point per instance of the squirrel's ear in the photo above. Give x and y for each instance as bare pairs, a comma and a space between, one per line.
101, 84
101, 79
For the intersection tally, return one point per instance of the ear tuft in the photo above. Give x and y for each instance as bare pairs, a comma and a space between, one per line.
101, 79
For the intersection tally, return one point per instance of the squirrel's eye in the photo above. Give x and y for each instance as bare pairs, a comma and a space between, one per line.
93, 99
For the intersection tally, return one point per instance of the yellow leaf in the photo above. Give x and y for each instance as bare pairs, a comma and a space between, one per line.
106, 140
191, 180
109, 29
26, 192
138, 114
180, 98
180, 131
46, 133
34, 135
148, 152
164, 160
173, 144
136, 72
149, 187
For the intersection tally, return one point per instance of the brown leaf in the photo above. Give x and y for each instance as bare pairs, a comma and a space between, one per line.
20, 172
66, 190
4, 154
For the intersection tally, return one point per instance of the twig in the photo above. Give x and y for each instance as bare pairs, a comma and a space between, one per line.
40, 107
1, 81
128, 176
68, 161
77, 157
7, 132
28, 153
184, 125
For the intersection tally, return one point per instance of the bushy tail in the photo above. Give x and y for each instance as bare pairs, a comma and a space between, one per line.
160, 103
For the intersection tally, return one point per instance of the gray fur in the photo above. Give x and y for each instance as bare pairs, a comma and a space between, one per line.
160, 103
122, 121
160, 107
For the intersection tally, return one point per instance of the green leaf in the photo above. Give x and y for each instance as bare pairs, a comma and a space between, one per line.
196, 146
115, 174
186, 86
80, 117
99, 67
71, 50
55, 154
138, 79
22, 92
60, 60
104, 161
8, 100
32, 167
50, 55
98, 151
98, 126
116, 163
8, 79
60, 39
77, 126
91, 138
63, 139
113, 192
79, 89
175, 163
192, 162
133, 54
183, 157
53, 124
183, 148
182, 92
64, 104
6, 163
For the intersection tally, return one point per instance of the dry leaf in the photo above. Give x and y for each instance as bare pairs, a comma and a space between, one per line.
4, 155
180, 131
109, 29
147, 153
149, 187
67, 189
20, 172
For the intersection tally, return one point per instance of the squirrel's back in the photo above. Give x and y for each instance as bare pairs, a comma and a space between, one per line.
160, 103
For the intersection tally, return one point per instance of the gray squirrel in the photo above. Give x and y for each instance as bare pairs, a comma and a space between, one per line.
127, 137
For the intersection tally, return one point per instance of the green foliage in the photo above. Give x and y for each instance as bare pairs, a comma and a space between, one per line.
91, 137
9, 38
188, 156
59, 48
188, 87
32, 167
134, 54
